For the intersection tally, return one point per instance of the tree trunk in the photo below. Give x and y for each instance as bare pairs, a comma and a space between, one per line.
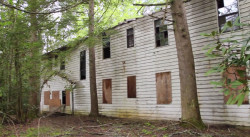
34, 78
92, 69
189, 99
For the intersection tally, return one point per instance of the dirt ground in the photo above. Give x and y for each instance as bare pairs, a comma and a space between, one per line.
71, 126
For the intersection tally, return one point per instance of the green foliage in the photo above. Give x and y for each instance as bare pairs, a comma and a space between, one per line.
147, 132
233, 52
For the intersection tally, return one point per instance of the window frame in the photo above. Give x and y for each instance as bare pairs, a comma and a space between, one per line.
155, 30
83, 77
128, 37
220, 25
106, 45
62, 64
131, 94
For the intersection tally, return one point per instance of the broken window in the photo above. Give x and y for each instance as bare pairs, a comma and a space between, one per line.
131, 86
107, 91
163, 88
130, 37
66, 98
83, 65
161, 33
63, 97
106, 46
227, 11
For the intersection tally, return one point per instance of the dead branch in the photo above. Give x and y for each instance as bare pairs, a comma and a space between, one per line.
100, 125
39, 120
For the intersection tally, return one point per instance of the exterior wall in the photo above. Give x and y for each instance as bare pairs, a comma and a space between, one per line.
202, 17
144, 60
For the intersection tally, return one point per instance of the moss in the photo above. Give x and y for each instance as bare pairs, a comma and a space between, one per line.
198, 124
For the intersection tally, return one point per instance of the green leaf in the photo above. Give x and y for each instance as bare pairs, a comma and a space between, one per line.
229, 24
241, 99
235, 83
229, 101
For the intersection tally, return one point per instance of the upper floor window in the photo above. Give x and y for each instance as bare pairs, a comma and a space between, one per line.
83, 65
161, 33
62, 65
106, 46
227, 11
130, 37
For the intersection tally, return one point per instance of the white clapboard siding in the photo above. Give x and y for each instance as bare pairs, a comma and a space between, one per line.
144, 60
213, 109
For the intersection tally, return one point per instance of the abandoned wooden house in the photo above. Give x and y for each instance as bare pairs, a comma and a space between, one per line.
138, 73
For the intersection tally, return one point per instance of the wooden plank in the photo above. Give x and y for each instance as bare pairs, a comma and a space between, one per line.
46, 97
163, 88
55, 95
68, 98
107, 91
131, 87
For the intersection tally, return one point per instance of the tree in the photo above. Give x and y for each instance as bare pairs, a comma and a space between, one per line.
189, 99
92, 69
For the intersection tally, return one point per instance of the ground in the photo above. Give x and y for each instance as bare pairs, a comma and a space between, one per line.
70, 126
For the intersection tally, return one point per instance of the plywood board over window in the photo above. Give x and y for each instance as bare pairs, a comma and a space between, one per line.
232, 75
131, 86
107, 91
46, 97
163, 88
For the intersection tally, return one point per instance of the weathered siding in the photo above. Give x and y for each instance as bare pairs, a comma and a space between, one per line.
202, 17
144, 60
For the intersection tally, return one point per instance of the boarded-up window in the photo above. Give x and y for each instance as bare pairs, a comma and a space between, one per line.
107, 91
46, 97
55, 101
83, 65
55, 94
131, 86
130, 37
232, 75
68, 98
163, 88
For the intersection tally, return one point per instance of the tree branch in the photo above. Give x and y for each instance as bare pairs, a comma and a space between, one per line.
157, 4
50, 12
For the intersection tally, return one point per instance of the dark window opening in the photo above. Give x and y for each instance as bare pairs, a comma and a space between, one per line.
130, 37
107, 91
64, 97
62, 65
83, 65
161, 33
227, 11
131, 86
163, 88
106, 46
